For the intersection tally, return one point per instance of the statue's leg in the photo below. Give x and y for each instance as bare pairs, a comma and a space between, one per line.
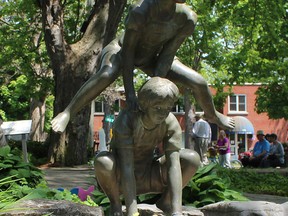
108, 72
108, 179
189, 161
182, 74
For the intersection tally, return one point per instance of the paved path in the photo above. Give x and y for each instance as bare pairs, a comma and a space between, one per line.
69, 177
83, 176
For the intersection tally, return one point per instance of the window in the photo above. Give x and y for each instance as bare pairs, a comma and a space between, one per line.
99, 106
179, 106
237, 103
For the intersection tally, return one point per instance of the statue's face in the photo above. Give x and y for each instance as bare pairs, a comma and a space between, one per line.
157, 113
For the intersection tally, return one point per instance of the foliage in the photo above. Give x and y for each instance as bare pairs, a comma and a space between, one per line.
24, 66
101, 199
12, 164
22, 181
240, 42
37, 151
273, 99
13, 99
16, 193
267, 183
43, 192
206, 187
16, 190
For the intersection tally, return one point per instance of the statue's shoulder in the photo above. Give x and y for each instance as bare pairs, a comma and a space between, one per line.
138, 15
172, 122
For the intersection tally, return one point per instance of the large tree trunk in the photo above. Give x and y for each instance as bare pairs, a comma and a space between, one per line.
37, 113
38, 102
72, 66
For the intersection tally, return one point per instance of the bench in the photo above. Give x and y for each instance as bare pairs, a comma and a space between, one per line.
18, 130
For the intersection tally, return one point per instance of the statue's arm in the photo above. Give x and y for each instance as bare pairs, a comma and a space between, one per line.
133, 25
128, 55
174, 180
172, 145
128, 182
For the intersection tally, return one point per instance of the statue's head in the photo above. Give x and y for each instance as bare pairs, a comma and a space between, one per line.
155, 91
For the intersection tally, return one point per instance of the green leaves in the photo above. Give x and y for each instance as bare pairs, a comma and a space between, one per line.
267, 183
277, 104
12, 164
4, 151
24, 70
240, 42
206, 187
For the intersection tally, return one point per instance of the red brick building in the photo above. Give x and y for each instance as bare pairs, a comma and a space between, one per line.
241, 103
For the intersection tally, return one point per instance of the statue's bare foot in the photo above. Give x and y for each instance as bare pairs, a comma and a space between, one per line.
164, 206
222, 121
59, 123
116, 214
115, 210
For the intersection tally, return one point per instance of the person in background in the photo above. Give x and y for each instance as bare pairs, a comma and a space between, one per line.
201, 134
102, 140
251, 139
223, 146
260, 150
268, 137
275, 158
2, 134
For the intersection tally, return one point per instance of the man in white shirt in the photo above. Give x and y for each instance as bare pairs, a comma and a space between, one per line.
201, 133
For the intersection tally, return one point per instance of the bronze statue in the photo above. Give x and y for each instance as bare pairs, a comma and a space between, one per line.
154, 31
131, 169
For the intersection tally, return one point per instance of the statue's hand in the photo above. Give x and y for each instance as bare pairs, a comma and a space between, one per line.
60, 122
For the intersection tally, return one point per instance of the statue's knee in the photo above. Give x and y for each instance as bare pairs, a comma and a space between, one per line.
190, 157
109, 73
104, 161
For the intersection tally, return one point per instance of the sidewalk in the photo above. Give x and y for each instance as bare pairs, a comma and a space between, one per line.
83, 176
69, 177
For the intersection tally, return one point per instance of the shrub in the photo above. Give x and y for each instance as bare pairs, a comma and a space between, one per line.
267, 183
207, 187
12, 164
37, 151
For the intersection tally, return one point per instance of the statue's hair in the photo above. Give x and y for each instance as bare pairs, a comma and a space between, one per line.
155, 90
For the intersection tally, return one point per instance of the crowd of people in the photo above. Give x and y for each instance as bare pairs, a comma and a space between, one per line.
267, 152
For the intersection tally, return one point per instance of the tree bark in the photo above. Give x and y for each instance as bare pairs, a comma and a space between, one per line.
37, 113
72, 65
